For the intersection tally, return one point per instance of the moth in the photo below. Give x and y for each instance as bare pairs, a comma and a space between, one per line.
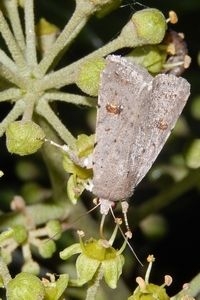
135, 116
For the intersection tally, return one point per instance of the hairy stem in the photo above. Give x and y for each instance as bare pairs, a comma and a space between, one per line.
11, 42
16, 111
44, 110
13, 76
15, 21
4, 272
10, 94
31, 56
71, 98
92, 290
71, 30
7, 61
192, 290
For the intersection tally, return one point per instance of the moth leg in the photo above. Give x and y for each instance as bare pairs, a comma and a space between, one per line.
125, 206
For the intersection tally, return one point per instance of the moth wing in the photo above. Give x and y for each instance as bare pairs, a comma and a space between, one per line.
123, 88
168, 97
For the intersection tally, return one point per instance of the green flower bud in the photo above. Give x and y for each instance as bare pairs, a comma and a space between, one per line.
192, 156
25, 286
47, 248
154, 226
150, 56
31, 266
19, 234
45, 28
24, 138
195, 107
46, 34
54, 229
21, 3
150, 25
89, 76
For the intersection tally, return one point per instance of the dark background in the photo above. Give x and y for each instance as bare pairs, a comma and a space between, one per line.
177, 249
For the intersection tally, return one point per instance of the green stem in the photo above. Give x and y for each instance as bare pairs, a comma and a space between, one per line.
10, 94
11, 42
7, 61
71, 30
68, 75
31, 56
26, 252
13, 76
193, 290
92, 290
14, 18
71, 98
4, 272
41, 213
29, 100
44, 110
15, 112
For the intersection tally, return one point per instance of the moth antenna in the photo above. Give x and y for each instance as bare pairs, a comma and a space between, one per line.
125, 236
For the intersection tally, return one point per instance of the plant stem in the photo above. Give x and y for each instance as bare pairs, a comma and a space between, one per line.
14, 18
7, 61
44, 110
71, 98
31, 56
13, 76
16, 111
10, 94
92, 290
192, 290
4, 272
71, 30
11, 43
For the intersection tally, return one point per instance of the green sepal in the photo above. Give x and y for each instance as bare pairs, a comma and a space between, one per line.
86, 268
55, 289
75, 187
112, 270
71, 250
